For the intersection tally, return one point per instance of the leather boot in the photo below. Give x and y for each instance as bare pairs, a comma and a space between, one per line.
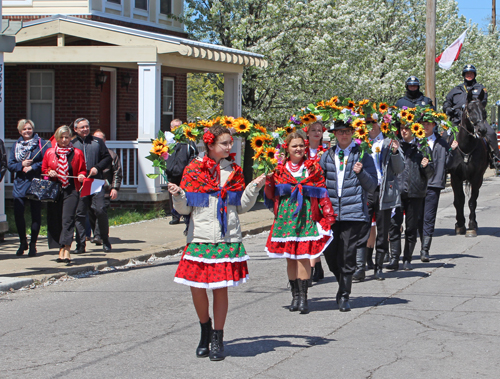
303, 307
408, 253
294, 287
344, 305
360, 273
369, 258
395, 254
206, 334
426, 245
379, 263
217, 346
318, 272
23, 247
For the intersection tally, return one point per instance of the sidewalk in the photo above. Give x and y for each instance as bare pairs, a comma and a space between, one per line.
137, 241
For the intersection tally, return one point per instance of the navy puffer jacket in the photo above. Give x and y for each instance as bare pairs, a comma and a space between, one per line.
352, 206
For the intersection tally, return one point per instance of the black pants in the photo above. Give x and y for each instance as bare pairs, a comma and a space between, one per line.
340, 254
429, 212
412, 209
95, 201
383, 222
94, 222
36, 217
61, 218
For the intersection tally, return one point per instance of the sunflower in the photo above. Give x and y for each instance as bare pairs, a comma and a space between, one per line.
270, 154
260, 128
410, 117
420, 133
350, 104
358, 123
383, 107
257, 143
188, 133
443, 116
321, 104
289, 129
363, 102
361, 133
416, 127
241, 125
384, 128
308, 118
404, 114
279, 130
228, 122
257, 155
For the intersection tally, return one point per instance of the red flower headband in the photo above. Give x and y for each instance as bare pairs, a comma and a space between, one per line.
209, 138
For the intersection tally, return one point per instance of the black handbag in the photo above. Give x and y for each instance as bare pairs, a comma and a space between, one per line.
44, 190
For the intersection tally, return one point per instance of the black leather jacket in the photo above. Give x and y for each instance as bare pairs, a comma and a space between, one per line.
96, 153
413, 180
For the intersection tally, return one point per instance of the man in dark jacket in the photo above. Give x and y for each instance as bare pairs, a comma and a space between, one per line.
389, 163
413, 96
413, 187
442, 157
348, 180
3, 160
113, 177
455, 102
97, 159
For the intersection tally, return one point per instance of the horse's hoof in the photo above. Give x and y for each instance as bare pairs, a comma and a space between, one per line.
460, 230
471, 233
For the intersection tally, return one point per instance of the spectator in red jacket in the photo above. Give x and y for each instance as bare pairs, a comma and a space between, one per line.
65, 164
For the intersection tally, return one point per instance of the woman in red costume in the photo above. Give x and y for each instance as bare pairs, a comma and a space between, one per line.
303, 216
214, 257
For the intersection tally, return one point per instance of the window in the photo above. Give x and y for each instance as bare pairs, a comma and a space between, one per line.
167, 112
141, 4
41, 99
119, 2
166, 6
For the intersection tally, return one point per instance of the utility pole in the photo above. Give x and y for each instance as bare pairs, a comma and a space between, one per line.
430, 51
494, 14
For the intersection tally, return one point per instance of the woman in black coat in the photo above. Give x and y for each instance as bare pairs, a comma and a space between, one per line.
26, 162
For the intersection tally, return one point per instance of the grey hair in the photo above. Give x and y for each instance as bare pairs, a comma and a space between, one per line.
21, 123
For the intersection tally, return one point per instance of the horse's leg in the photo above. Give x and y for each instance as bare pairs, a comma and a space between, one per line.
472, 232
458, 203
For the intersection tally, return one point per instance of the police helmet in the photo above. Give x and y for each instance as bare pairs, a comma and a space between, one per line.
412, 81
469, 68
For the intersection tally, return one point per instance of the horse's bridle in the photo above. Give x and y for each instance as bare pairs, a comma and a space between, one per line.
474, 124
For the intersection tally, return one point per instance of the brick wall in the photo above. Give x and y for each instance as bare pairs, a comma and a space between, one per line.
106, 20
76, 95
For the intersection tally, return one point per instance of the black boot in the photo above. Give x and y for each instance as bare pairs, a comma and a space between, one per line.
408, 253
303, 307
217, 346
395, 254
344, 305
369, 258
206, 334
360, 273
379, 263
23, 247
294, 287
426, 245
318, 272
32, 252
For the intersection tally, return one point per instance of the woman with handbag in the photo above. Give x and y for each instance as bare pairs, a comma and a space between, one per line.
25, 161
63, 163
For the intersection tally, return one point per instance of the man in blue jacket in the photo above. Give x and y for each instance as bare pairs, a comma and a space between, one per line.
349, 179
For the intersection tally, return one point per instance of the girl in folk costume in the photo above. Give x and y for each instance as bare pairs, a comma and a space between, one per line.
303, 215
314, 151
214, 257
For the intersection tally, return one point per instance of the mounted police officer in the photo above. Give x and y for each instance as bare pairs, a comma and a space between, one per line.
413, 96
455, 102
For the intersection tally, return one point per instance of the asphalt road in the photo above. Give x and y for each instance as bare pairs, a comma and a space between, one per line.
439, 321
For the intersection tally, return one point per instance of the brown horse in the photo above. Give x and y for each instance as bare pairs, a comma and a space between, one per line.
471, 162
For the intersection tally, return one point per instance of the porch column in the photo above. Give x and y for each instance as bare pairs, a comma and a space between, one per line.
149, 121
4, 226
232, 104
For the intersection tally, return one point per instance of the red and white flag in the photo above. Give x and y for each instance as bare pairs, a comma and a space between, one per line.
91, 186
452, 52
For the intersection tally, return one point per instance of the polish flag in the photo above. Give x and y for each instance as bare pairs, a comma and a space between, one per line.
451, 54
91, 186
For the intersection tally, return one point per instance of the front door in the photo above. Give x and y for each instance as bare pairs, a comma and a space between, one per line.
105, 113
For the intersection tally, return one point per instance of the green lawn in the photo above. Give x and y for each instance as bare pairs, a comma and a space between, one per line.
117, 216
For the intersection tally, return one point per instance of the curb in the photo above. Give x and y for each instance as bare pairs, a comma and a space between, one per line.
8, 284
